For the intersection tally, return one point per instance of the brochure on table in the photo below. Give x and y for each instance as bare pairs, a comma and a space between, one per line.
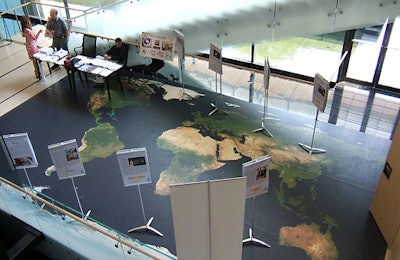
257, 172
19, 148
134, 166
66, 159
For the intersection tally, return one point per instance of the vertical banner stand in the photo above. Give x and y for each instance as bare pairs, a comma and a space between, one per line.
251, 239
267, 73
148, 223
77, 198
181, 65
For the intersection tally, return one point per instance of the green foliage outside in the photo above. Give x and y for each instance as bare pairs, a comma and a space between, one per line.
281, 49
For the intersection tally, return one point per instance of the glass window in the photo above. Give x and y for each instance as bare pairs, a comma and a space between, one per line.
303, 55
365, 53
390, 75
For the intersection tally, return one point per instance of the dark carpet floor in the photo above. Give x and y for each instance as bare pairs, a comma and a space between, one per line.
330, 192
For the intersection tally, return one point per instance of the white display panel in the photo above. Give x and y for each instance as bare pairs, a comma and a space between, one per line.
257, 172
66, 159
134, 166
320, 92
19, 148
215, 59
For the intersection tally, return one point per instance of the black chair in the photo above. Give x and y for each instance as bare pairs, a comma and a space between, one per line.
88, 49
88, 46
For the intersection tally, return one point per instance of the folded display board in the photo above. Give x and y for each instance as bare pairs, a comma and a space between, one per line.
208, 218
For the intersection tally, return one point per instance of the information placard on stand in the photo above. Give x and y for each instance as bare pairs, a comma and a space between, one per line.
20, 151
66, 159
134, 166
68, 164
320, 98
180, 50
257, 172
135, 170
267, 75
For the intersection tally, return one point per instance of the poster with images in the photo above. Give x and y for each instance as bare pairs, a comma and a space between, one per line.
19, 151
66, 159
257, 172
180, 44
134, 166
215, 59
320, 92
157, 46
267, 73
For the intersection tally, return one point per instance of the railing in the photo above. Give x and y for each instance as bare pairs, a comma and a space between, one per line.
23, 203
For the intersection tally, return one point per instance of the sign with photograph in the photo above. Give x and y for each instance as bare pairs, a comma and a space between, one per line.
320, 92
134, 166
157, 46
215, 59
257, 172
66, 159
19, 148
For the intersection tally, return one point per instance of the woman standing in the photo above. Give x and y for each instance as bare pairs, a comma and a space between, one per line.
30, 41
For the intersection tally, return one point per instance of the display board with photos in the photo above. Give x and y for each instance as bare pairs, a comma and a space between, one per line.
66, 159
19, 151
134, 166
157, 46
257, 173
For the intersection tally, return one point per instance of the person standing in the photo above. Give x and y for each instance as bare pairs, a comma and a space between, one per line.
30, 42
57, 29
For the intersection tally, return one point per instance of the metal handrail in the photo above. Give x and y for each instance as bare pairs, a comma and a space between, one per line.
80, 220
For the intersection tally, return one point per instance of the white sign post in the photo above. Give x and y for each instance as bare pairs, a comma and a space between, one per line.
215, 64
135, 170
180, 50
68, 164
320, 99
257, 172
267, 74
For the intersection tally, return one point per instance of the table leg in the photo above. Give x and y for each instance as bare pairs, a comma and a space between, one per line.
108, 87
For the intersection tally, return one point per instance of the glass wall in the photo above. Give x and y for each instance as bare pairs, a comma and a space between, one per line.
390, 73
